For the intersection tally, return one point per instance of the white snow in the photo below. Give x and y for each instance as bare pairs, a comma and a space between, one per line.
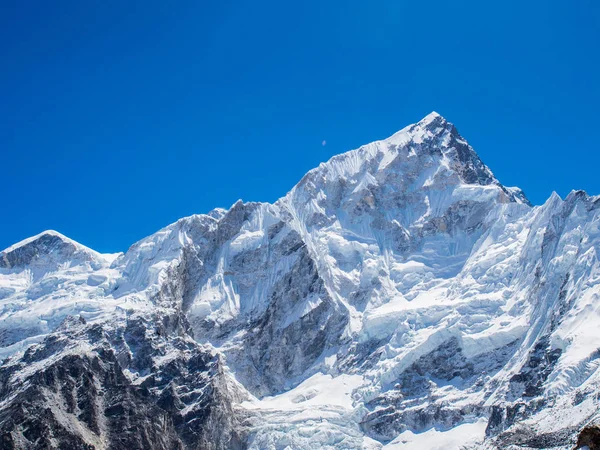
454, 439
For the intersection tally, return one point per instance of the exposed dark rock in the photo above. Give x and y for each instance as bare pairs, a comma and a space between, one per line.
80, 397
590, 437
47, 247
411, 405
529, 381
528, 438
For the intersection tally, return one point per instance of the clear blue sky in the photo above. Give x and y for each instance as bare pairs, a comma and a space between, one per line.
119, 117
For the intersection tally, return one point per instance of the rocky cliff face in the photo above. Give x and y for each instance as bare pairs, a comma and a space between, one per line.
399, 296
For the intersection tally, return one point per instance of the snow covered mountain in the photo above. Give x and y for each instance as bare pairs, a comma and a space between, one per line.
399, 296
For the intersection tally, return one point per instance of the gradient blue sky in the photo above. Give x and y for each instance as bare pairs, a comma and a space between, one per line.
119, 117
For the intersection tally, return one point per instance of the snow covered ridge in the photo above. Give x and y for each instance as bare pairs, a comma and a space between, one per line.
399, 296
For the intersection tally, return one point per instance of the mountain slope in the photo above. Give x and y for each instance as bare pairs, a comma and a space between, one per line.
399, 296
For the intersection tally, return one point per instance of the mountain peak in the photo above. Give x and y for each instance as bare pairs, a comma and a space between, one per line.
49, 235
419, 157
432, 117
433, 125
40, 248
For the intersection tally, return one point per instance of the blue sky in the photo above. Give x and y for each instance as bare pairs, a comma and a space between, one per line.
118, 118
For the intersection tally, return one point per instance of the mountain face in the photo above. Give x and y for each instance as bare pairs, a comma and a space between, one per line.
399, 296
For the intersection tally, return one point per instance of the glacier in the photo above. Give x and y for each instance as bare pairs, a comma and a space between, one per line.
399, 296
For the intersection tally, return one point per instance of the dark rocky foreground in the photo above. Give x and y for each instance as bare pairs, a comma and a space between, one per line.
70, 392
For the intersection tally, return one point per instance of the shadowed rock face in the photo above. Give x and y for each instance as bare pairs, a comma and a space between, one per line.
412, 404
92, 394
284, 348
589, 437
530, 438
82, 399
47, 246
